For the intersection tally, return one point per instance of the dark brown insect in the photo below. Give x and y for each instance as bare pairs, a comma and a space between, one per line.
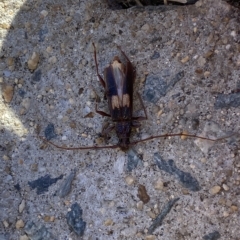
118, 84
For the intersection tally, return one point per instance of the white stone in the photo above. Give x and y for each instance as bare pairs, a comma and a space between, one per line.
21, 206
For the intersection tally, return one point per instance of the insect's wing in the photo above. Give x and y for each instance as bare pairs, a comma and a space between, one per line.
112, 94
128, 88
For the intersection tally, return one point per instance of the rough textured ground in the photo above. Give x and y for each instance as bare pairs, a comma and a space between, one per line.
188, 67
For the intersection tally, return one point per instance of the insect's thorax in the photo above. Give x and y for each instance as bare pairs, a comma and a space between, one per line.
123, 130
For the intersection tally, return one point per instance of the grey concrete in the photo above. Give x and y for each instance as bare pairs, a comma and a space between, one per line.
57, 86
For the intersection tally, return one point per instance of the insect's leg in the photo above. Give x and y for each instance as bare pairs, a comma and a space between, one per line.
96, 63
101, 112
144, 109
106, 130
123, 53
136, 123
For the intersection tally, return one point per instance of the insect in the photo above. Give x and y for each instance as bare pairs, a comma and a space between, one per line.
118, 84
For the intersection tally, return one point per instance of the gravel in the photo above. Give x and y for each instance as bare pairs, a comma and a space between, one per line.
187, 61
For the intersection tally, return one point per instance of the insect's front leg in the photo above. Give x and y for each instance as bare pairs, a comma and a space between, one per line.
96, 63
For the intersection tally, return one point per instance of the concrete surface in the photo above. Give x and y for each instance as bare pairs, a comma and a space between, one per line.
48, 75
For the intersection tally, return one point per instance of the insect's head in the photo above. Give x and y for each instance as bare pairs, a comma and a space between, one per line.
116, 59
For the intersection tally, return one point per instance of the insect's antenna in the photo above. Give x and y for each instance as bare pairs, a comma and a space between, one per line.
76, 148
180, 135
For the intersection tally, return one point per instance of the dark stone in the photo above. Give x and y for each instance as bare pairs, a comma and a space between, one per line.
159, 219
2, 148
133, 51
212, 236
17, 187
42, 34
43, 183
4, 236
122, 210
65, 188
7, 73
156, 87
106, 40
155, 55
133, 160
75, 221
186, 179
49, 132
195, 124
21, 93
38, 232
176, 79
36, 77
227, 100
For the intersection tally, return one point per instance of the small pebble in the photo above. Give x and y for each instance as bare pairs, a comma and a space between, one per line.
64, 138
140, 205
129, 180
234, 208
19, 224
5, 224
49, 49
75, 221
222, 201
21, 206
52, 60
145, 27
214, 190
233, 33
150, 237
34, 167
158, 185
10, 61
44, 13
68, 19
37, 231
228, 46
24, 237
201, 61
206, 74
142, 194
225, 214
6, 158
26, 103
185, 59
225, 187
151, 214
7, 93
108, 222
49, 218
33, 61
198, 4
36, 77
65, 187
183, 137
208, 54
